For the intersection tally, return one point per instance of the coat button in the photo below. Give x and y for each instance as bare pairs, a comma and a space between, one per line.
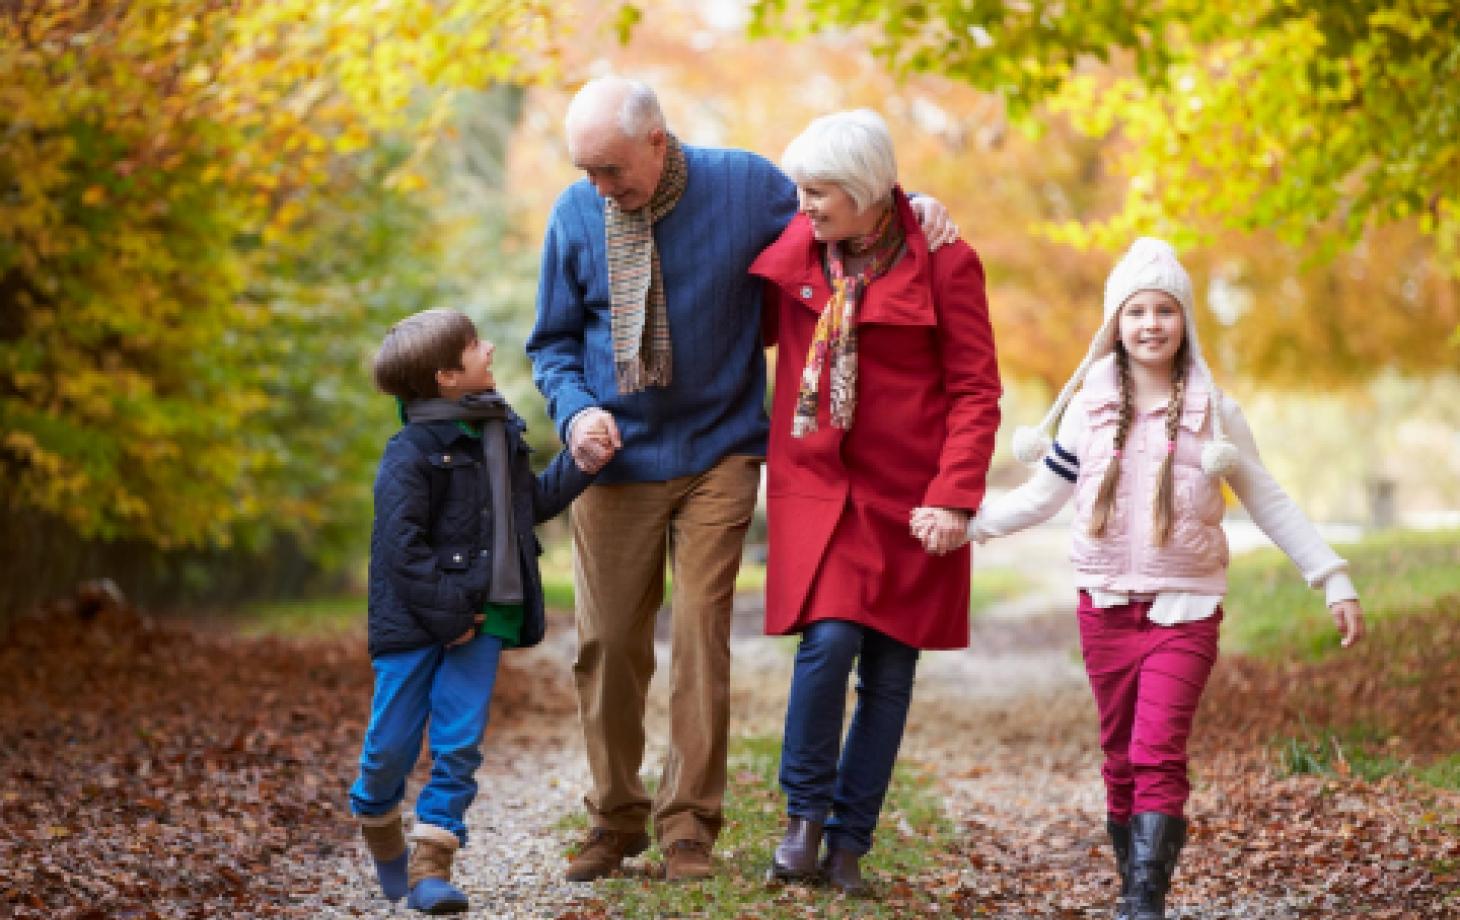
485, 553
456, 557
806, 292
445, 458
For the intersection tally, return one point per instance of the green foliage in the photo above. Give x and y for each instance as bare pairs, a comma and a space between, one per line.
1277, 114
1271, 612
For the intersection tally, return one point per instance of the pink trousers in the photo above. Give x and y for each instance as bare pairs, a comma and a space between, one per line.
1147, 680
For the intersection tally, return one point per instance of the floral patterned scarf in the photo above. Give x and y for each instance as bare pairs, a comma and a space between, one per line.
835, 339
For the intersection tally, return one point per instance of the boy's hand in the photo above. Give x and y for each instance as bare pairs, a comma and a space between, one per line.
1348, 616
593, 439
470, 634
940, 530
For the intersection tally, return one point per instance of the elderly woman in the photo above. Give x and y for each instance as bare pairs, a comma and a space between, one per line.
886, 399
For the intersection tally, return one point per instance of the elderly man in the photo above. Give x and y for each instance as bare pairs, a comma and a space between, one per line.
647, 343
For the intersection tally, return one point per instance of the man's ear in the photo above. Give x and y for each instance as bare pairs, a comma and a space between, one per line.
447, 377
659, 139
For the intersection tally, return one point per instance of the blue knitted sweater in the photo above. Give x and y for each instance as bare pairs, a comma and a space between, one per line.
734, 205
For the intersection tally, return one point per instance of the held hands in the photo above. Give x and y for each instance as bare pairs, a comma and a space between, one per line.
593, 439
937, 223
1348, 616
940, 530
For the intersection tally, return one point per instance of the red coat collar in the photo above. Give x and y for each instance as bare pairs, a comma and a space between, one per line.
903, 296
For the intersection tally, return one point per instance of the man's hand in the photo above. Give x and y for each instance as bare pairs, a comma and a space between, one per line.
470, 634
937, 225
940, 530
1348, 616
593, 439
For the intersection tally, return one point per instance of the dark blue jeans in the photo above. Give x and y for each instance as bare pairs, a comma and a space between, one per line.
847, 795
442, 694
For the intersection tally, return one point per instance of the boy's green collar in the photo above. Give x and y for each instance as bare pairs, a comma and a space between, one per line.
466, 427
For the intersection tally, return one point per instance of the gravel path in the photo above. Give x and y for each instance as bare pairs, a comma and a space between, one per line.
1007, 728
534, 774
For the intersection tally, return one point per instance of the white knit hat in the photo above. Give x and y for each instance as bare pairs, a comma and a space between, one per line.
1149, 265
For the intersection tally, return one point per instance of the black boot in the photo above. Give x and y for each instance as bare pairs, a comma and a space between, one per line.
1156, 841
795, 858
1120, 842
843, 872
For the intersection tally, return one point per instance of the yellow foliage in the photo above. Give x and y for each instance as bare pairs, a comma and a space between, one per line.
170, 164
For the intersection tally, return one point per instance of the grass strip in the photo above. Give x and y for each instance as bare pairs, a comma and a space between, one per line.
911, 836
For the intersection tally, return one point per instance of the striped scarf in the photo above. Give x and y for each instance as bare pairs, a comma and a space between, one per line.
835, 338
638, 311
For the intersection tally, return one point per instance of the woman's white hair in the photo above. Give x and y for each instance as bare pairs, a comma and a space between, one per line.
852, 149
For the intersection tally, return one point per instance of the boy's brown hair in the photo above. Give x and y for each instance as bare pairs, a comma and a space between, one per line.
417, 347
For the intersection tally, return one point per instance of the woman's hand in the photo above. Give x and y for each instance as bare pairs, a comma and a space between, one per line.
940, 530
1348, 616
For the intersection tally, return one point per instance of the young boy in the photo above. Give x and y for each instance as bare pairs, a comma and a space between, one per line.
453, 580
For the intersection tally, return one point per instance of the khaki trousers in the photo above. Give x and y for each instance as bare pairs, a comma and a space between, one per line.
622, 535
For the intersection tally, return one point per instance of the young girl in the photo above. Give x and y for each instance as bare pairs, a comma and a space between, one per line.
1142, 448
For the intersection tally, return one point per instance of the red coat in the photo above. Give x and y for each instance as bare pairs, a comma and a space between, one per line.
839, 502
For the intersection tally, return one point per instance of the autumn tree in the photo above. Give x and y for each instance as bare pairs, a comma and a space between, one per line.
1276, 114
209, 212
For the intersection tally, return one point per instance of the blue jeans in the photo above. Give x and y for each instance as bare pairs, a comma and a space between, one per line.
450, 688
846, 796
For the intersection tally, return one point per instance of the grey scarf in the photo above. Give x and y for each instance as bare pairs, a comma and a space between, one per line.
490, 410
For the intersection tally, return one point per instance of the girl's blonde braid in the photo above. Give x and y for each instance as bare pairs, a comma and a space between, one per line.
1162, 509
1105, 498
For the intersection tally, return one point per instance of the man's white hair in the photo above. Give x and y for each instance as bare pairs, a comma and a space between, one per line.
638, 107
852, 149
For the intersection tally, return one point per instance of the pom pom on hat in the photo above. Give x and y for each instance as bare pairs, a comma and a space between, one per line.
1030, 444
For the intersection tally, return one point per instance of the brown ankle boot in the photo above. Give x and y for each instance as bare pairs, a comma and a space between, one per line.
843, 873
687, 861
795, 858
603, 852
435, 848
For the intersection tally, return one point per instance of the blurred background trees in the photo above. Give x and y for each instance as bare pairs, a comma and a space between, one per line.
210, 212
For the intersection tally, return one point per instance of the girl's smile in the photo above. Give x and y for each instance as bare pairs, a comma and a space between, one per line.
1152, 327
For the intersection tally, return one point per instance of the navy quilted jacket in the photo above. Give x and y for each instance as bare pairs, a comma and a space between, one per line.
430, 545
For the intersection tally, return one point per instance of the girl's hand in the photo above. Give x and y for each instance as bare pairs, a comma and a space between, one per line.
940, 530
1348, 616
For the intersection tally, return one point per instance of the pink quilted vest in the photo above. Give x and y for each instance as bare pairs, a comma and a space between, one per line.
1194, 559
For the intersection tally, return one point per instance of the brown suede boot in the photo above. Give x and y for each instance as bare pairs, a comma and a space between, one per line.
386, 841
603, 852
432, 857
430, 872
383, 834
